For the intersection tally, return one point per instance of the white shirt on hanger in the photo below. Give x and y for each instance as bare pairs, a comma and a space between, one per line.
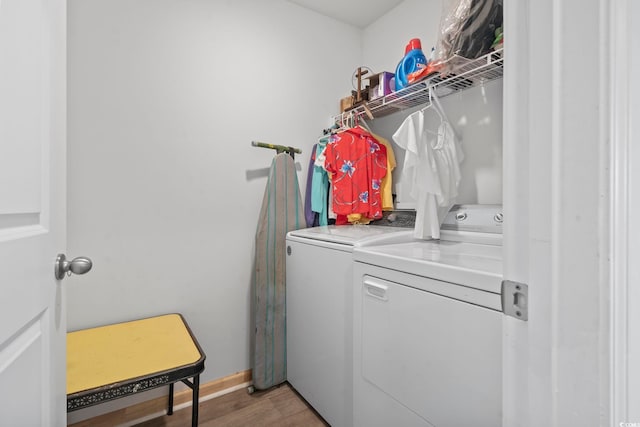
431, 172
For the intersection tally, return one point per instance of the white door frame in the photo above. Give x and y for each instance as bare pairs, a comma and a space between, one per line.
625, 211
567, 152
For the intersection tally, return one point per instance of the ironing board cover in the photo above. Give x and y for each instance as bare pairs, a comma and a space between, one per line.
281, 212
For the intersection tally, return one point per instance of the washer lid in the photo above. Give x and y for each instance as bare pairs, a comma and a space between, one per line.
355, 235
468, 264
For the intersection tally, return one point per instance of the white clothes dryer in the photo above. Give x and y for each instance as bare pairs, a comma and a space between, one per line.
319, 318
428, 327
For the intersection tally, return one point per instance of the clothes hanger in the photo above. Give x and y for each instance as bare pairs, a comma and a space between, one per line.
429, 104
340, 123
347, 122
442, 112
433, 107
432, 97
324, 138
327, 133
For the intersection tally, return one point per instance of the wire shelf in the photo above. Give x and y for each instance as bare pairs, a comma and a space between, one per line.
464, 74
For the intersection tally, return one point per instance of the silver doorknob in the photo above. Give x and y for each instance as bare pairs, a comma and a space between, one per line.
79, 265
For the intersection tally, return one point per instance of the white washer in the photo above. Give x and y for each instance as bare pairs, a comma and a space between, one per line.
319, 317
428, 327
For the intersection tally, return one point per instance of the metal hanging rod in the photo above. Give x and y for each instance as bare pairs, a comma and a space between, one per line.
278, 148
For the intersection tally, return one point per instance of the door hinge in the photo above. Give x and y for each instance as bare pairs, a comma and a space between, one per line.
515, 299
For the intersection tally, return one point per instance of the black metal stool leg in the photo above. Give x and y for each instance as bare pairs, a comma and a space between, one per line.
170, 408
196, 395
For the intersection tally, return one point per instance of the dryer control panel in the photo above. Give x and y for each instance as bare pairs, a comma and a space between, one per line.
474, 218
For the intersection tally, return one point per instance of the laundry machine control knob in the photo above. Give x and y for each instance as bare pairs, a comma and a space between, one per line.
461, 216
498, 217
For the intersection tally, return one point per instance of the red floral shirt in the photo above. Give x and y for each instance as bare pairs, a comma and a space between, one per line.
357, 162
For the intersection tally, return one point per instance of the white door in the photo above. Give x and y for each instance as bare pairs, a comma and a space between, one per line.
32, 212
557, 116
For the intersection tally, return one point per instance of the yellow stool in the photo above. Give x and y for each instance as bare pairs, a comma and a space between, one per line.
114, 361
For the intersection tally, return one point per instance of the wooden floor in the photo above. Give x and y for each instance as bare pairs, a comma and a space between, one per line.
280, 406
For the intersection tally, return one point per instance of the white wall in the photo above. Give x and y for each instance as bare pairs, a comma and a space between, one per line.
164, 187
475, 114
384, 40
